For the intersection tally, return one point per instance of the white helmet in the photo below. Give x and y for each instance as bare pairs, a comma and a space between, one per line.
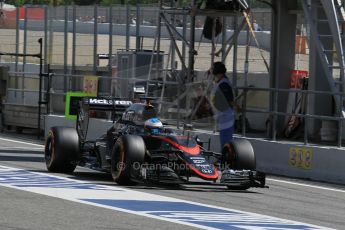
153, 126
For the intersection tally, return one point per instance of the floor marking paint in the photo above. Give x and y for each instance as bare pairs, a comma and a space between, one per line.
275, 180
143, 204
21, 155
21, 142
21, 148
307, 185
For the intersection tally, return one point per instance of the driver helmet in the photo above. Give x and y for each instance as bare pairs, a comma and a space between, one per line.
153, 126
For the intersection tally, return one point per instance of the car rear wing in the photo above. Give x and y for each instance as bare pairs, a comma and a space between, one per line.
117, 105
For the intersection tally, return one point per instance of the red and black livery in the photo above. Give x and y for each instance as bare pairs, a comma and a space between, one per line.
133, 155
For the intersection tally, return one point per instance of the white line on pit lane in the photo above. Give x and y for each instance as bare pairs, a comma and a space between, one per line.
190, 213
275, 180
21, 142
21, 148
21, 155
306, 185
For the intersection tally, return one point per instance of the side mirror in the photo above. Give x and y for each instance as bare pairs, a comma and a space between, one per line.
198, 141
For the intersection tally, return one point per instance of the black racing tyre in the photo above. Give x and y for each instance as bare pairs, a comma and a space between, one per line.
245, 156
240, 155
127, 156
61, 149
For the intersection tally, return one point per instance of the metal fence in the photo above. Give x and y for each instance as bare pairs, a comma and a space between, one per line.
88, 41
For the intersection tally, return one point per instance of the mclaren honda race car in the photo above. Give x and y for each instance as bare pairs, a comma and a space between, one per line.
139, 148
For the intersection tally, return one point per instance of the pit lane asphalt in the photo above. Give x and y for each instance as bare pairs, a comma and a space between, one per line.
298, 200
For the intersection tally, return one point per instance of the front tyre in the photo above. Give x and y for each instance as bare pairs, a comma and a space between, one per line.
61, 149
239, 154
127, 156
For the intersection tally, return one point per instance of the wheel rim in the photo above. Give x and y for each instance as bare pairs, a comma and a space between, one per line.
48, 153
117, 162
82, 124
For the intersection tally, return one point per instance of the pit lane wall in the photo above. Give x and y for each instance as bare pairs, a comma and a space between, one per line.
290, 159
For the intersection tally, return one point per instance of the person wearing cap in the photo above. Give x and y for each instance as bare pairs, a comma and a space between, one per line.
222, 99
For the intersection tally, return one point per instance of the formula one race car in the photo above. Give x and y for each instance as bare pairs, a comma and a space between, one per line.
139, 148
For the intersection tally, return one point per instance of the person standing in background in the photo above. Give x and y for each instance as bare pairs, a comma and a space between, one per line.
256, 26
222, 99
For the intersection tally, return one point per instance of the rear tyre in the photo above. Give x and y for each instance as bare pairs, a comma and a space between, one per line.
127, 156
61, 150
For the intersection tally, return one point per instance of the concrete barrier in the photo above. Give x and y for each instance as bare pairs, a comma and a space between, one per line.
290, 159
297, 160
